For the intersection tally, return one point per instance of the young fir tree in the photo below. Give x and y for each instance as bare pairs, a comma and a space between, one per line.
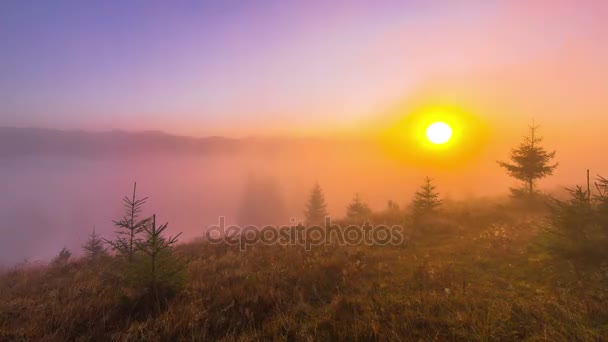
530, 161
580, 224
573, 222
129, 226
94, 247
316, 208
358, 210
156, 270
426, 200
601, 198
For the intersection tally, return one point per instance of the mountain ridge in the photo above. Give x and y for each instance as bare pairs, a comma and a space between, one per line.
16, 142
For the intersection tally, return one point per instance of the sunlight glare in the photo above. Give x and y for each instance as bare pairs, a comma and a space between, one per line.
439, 133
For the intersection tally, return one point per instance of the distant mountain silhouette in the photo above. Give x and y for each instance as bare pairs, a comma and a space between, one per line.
22, 142
19, 142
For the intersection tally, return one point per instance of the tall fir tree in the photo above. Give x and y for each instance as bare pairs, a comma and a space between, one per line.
316, 208
358, 210
426, 200
530, 161
94, 247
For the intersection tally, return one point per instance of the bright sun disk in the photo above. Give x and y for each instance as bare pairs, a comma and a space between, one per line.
439, 133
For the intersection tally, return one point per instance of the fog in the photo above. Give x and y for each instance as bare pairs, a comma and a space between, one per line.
52, 201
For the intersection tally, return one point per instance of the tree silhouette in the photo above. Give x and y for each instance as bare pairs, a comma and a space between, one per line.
157, 270
94, 248
426, 200
358, 210
530, 161
573, 220
316, 208
601, 198
129, 226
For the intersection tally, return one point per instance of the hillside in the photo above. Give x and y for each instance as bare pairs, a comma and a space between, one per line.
478, 271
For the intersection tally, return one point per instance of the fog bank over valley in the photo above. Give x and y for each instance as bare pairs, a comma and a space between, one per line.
59, 185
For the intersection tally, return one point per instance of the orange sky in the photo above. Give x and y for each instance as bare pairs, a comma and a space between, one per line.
344, 69
309, 68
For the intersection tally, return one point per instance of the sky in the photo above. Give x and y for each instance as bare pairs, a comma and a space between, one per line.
240, 68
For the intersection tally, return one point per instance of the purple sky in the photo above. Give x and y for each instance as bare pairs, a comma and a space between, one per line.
241, 67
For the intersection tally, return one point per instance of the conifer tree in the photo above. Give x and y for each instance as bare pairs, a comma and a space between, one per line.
157, 271
426, 200
573, 220
129, 226
580, 223
94, 248
316, 208
358, 210
601, 198
530, 161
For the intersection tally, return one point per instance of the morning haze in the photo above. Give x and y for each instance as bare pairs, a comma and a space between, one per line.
303, 170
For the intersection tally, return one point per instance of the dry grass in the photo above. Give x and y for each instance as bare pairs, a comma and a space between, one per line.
473, 275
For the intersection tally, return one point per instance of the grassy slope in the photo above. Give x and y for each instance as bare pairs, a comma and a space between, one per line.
472, 275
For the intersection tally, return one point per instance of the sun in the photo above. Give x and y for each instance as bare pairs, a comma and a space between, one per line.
442, 136
439, 132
